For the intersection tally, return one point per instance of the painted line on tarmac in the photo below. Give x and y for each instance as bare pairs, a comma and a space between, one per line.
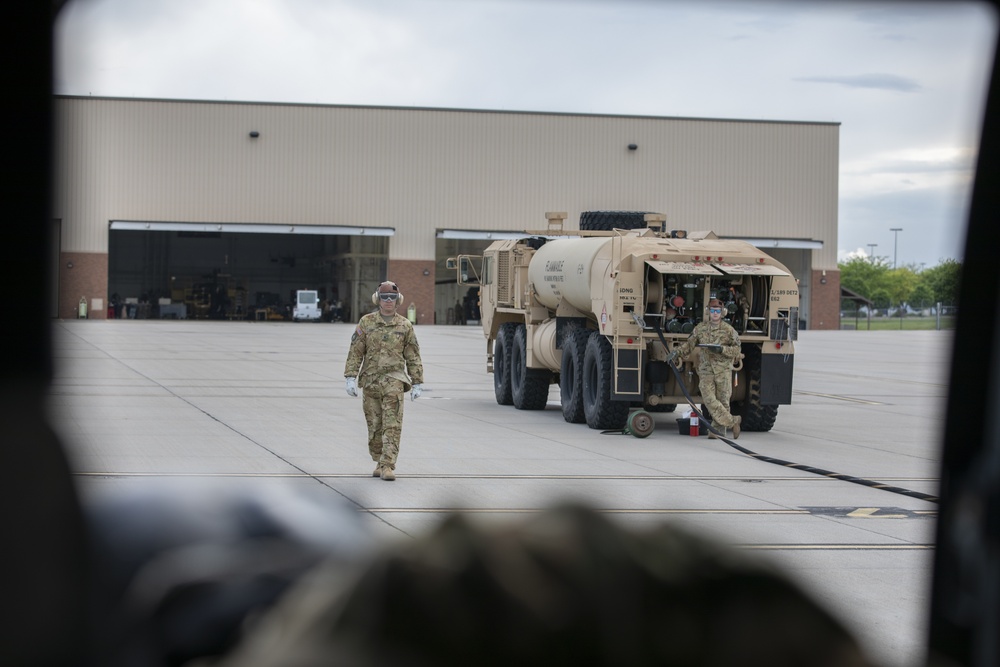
872, 512
530, 510
837, 547
210, 474
349, 475
876, 378
839, 398
840, 512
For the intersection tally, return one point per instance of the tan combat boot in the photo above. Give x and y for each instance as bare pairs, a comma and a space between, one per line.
387, 474
378, 471
736, 427
713, 429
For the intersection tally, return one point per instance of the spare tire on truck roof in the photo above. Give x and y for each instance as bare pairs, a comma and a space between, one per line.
605, 221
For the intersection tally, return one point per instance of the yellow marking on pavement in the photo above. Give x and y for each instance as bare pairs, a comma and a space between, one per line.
870, 513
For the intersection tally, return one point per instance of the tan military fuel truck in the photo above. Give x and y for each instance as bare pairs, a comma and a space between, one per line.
597, 310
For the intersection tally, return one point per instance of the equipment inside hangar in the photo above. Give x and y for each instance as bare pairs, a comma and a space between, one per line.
217, 271
245, 271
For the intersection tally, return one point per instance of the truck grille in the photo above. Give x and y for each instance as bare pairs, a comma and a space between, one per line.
503, 278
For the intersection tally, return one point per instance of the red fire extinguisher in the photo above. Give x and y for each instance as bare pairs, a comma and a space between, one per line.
693, 421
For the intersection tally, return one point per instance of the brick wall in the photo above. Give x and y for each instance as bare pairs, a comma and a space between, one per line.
825, 300
417, 288
83, 275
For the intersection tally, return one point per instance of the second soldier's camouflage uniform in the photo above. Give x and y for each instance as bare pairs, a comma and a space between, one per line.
715, 369
385, 357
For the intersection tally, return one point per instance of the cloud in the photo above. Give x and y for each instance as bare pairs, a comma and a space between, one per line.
926, 191
874, 81
636, 57
848, 255
941, 168
933, 223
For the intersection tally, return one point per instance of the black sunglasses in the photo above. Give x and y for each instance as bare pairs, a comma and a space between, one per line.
388, 296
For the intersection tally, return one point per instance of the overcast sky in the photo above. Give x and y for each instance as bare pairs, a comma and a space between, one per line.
907, 81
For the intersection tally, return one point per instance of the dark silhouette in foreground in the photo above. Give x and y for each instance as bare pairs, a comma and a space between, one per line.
568, 586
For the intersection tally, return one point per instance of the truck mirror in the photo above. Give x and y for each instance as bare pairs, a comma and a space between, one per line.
469, 274
451, 264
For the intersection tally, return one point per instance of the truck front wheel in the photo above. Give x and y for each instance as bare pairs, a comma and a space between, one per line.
501, 363
529, 386
598, 370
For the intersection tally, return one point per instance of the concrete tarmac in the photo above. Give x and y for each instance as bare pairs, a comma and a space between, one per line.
261, 405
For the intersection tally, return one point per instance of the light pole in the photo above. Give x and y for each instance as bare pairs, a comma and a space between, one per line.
871, 253
895, 237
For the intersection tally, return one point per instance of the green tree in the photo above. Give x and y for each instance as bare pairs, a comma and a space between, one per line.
880, 297
943, 281
874, 278
922, 296
867, 276
900, 284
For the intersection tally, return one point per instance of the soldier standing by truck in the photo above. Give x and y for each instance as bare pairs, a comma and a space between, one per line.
384, 360
720, 346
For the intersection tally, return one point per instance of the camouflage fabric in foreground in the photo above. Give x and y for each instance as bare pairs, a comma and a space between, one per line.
566, 587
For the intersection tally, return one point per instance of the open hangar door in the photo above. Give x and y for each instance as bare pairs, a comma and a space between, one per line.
796, 255
799, 262
454, 303
241, 271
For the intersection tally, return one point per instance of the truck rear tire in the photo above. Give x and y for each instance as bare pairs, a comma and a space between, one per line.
604, 221
598, 370
756, 417
529, 386
501, 364
571, 376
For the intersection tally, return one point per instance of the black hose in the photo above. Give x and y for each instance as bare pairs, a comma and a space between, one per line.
788, 464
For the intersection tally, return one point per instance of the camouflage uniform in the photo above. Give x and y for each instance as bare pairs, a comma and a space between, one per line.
715, 369
388, 358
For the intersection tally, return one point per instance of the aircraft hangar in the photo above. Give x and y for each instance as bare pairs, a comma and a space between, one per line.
218, 209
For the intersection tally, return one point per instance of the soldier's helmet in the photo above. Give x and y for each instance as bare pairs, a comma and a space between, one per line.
387, 287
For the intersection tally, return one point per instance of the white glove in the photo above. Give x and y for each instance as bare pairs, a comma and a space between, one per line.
352, 386
416, 391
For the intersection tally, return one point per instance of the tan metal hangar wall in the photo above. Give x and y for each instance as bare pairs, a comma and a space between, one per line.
423, 170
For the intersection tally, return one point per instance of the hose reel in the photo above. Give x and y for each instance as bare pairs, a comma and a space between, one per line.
640, 424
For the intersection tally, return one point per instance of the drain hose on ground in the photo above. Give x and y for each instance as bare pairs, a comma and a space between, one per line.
788, 464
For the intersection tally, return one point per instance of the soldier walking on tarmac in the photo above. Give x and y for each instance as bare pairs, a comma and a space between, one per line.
384, 360
720, 346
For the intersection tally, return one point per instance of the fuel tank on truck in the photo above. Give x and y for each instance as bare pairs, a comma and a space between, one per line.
561, 271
